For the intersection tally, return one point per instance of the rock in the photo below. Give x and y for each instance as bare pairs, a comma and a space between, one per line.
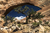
5, 27
7, 6
36, 20
13, 27
9, 29
1, 28
3, 31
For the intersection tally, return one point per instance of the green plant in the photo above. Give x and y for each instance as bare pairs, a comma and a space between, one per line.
28, 12
2, 16
12, 19
5, 24
19, 25
46, 22
40, 21
35, 24
14, 22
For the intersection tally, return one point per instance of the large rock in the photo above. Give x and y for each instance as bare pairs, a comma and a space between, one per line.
3, 31
7, 5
